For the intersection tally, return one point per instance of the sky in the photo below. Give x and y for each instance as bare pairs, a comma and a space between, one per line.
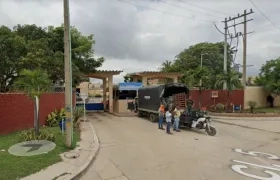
138, 35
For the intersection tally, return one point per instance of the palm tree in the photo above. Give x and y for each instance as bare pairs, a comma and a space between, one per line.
34, 83
231, 78
202, 77
166, 66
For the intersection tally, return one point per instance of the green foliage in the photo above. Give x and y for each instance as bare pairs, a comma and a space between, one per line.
269, 76
167, 66
54, 117
33, 82
220, 107
232, 81
190, 59
252, 105
31, 47
30, 135
77, 114
231, 78
97, 95
127, 78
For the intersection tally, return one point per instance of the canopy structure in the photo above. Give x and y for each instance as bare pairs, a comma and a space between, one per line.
107, 77
129, 86
145, 75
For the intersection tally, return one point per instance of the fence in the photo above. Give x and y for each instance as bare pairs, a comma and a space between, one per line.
17, 110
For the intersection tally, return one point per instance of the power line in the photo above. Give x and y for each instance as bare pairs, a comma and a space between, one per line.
190, 9
204, 8
164, 12
264, 15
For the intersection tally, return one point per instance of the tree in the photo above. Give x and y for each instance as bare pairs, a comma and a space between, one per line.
231, 78
34, 84
167, 66
269, 76
31, 47
127, 78
190, 59
201, 76
12, 48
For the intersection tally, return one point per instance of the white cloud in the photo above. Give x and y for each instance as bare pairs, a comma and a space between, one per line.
136, 39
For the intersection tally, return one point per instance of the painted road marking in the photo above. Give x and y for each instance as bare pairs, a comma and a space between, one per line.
239, 168
255, 153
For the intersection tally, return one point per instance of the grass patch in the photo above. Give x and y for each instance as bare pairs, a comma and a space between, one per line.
14, 167
268, 110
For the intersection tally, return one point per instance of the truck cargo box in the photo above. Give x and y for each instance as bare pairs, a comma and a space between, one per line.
151, 97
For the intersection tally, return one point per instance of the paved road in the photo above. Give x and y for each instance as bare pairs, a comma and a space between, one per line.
133, 148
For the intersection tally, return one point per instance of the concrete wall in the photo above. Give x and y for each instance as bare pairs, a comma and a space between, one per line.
258, 94
17, 110
120, 106
236, 97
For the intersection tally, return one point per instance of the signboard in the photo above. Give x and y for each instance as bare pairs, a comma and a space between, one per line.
215, 94
130, 86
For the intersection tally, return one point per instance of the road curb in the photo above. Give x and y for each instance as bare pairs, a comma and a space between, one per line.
246, 118
81, 170
248, 127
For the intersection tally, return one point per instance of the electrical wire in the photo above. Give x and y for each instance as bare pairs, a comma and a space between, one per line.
218, 29
204, 8
265, 15
189, 9
164, 12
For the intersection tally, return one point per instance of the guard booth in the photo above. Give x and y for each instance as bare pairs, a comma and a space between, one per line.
106, 102
124, 94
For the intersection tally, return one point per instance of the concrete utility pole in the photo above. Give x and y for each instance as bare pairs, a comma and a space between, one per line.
225, 52
68, 76
244, 74
236, 35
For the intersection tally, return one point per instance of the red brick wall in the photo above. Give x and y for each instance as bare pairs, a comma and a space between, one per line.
237, 97
17, 110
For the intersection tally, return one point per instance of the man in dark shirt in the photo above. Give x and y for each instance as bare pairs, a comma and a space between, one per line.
190, 105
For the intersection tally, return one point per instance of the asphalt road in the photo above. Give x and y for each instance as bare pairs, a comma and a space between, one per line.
133, 148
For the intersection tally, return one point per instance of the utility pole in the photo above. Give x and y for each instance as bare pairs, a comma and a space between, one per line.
68, 76
244, 74
237, 34
225, 53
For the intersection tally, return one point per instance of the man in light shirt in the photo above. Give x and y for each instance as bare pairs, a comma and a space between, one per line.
177, 115
168, 117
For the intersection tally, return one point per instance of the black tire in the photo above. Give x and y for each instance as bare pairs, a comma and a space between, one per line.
211, 131
152, 117
139, 113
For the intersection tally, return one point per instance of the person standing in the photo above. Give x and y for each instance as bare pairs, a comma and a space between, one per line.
190, 105
168, 117
161, 115
177, 115
270, 100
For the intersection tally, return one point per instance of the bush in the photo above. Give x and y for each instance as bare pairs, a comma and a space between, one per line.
77, 114
98, 95
252, 105
29, 135
212, 108
54, 117
220, 107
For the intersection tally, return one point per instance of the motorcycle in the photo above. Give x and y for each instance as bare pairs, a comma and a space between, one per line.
198, 120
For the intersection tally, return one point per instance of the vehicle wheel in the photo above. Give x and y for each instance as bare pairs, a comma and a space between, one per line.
211, 131
139, 113
153, 117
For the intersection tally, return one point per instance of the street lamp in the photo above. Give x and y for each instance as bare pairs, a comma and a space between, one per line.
201, 58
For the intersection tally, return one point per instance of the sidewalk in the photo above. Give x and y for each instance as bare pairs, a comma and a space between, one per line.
271, 124
80, 158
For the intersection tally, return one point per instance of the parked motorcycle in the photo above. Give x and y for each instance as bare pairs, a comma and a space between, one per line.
198, 120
